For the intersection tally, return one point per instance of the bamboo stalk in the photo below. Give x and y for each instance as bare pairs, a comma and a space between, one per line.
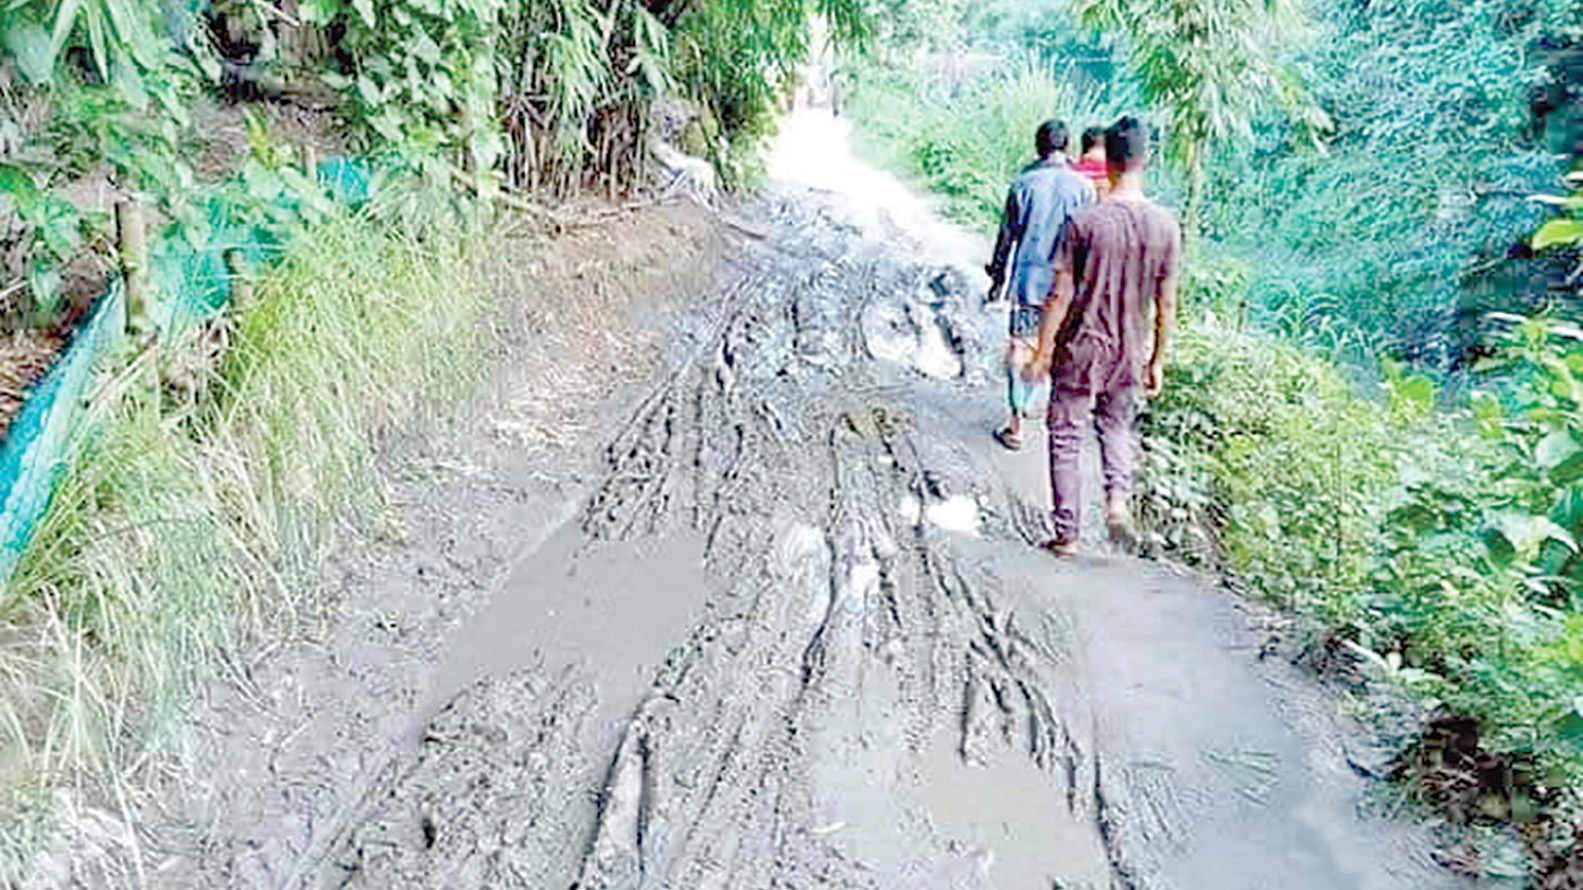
130, 238
241, 285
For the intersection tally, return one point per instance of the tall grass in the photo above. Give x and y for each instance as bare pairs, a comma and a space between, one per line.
967, 141
182, 532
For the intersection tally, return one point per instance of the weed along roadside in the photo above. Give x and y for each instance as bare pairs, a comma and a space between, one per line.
185, 526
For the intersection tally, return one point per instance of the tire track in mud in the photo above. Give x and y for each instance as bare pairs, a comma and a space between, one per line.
778, 745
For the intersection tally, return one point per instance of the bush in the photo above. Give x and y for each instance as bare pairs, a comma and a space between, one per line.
1264, 451
1441, 541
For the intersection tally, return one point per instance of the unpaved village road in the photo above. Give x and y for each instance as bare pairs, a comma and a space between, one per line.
796, 635
863, 675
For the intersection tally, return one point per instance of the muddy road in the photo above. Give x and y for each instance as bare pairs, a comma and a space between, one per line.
796, 636
791, 631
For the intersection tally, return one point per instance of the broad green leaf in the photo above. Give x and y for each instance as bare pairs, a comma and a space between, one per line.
17, 183
1568, 730
1568, 471
365, 11
1555, 449
98, 41
368, 91
424, 47
30, 45
1558, 231
45, 283
1547, 530
129, 83
65, 20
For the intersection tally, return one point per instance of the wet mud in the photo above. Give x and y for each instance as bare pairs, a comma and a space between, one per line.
796, 636
792, 631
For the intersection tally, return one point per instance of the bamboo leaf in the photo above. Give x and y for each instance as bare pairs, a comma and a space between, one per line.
98, 41
30, 45
65, 20
1558, 231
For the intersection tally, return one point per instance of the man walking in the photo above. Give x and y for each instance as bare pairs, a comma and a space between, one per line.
1038, 205
1115, 261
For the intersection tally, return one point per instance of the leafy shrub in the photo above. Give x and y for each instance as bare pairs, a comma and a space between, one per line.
1422, 190
1444, 539
1261, 458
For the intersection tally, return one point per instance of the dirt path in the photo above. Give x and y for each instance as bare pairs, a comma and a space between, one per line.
796, 636
791, 632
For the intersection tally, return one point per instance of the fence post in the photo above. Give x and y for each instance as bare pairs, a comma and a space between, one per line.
130, 245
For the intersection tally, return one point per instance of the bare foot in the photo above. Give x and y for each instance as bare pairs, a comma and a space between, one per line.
1118, 518
1063, 549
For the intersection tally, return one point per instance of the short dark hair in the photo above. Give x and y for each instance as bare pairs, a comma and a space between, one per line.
1051, 138
1127, 144
1091, 137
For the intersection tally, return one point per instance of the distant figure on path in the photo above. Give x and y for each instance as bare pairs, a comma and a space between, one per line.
837, 91
1091, 163
1115, 261
1039, 202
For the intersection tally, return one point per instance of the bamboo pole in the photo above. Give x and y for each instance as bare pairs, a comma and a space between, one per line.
241, 285
130, 238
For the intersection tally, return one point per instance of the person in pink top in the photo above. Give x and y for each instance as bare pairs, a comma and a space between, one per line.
1091, 164
1116, 263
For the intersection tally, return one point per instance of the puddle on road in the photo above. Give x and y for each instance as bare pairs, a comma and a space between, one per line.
1014, 811
615, 607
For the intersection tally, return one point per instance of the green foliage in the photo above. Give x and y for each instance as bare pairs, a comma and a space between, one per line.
181, 532
735, 57
968, 141
117, 90
1408, 217
1568, 228
421, 73
905, 26
57, 228
1209, 67
1446, 540
1258, 458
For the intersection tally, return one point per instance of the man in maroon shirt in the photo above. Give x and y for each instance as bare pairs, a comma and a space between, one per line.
1115, 261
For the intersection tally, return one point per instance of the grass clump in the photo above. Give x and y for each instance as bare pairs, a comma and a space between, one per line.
182, 531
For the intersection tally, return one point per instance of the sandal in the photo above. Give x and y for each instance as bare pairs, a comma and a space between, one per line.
1009, 440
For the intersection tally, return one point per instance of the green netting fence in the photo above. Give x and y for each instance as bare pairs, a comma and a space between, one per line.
188, 282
